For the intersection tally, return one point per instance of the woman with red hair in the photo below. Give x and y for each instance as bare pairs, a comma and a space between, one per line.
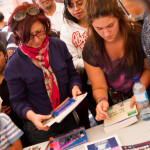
40, 73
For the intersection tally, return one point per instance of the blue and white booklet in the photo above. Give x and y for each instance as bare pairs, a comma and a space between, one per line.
69, 140
64, 109
109, 143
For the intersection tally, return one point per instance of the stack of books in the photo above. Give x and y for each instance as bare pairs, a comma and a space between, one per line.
120, 116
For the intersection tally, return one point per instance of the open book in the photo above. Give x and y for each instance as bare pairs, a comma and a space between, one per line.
64, 109
109, 143
120, 116
68, 140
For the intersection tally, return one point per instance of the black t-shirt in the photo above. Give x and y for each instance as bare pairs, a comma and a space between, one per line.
117, 75
4, 94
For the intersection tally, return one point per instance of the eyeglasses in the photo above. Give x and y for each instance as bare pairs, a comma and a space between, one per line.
38, 34
22, 14
78, 4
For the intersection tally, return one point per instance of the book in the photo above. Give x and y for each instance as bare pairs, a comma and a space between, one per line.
109, 143
120, 116
69, 140
60, 112
140, 146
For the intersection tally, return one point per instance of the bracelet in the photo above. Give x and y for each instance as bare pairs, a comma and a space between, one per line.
100, 99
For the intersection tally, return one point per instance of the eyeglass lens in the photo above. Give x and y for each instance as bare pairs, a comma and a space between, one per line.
33, 10
39, 34
20, 15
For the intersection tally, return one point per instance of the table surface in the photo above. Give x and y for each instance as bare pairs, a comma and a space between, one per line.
134, 134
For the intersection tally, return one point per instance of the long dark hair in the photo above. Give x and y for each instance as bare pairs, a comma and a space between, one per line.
1, 16
66, 13
104, 8
24, 26
2, 48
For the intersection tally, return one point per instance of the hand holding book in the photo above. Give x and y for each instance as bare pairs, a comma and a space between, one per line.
101, 110
63, 110
120, 115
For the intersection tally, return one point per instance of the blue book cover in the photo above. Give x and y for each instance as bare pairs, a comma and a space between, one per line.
66, 107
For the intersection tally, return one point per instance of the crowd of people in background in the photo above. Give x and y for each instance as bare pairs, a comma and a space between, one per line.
51, 50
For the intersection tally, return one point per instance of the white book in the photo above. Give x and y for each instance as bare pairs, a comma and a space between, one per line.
109, 143
120, 116
64, 109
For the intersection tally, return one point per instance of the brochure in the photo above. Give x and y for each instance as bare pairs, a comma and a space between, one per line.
63, 110
110, 143
69, 140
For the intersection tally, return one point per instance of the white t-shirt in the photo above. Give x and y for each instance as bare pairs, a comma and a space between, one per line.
57, 18
75, 37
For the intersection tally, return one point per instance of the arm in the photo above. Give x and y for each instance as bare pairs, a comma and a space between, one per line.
73, 76
145, 79
13, 133
17, 145
37, 120
6, 109
21, 106
18, 97
99, 88
66, 36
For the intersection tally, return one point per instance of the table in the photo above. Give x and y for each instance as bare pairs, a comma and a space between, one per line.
134, 134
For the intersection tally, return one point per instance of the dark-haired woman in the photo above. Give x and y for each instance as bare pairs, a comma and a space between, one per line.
74, 34
4, 95
112, 55
40, 74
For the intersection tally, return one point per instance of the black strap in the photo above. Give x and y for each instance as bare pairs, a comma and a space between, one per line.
123, 8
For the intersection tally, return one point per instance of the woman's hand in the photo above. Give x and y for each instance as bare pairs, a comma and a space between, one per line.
6, 109
101, 109
75, 91
37, 120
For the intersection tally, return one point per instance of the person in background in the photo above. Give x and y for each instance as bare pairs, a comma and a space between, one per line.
10, 134
4, 95
134, 13
146, 31
74, 30
112, 55
74, 34
40, 74
54, 11
2, 22
7, 40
